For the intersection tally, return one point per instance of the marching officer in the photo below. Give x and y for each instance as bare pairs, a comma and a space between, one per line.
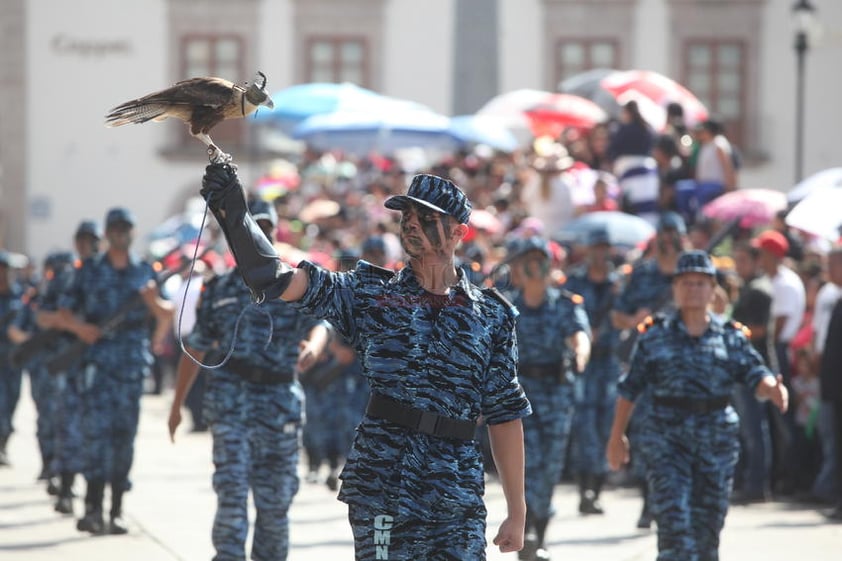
647, 291
596, 281
553, 342
437, 351
42, 383
116, 363
690, 361
11, 304
253, 405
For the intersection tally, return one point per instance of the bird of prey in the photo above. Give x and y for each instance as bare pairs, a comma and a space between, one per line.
202, 103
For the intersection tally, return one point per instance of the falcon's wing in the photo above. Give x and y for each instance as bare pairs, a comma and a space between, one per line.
179, 100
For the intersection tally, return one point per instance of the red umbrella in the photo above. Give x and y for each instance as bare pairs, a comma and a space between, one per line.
483, 220
754, 207
611, 89
558, 111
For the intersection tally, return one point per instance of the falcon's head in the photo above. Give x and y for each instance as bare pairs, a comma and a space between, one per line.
256, 92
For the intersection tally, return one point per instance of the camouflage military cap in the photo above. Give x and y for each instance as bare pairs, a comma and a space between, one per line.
671, 221
695, 261
262, 210
435, 193
119, 215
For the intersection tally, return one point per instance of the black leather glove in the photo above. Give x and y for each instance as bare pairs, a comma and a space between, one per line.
258, 263
218, 182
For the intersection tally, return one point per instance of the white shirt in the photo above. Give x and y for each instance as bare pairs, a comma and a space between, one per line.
708, 166
788, 300
557, 209
826, 299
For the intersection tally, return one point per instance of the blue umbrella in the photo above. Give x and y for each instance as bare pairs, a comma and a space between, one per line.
623, 229
483, 129
296, 103
386, 132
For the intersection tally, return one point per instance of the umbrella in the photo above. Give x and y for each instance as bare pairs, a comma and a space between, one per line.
297, 103
611, 89
542, 112
559, 111
483, 129
828, 178
385, 133
623, 229
753, 207
481, 219
818, 214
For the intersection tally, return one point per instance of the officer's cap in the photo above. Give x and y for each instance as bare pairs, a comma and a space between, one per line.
374, 244
58, 260
119, 215
434, 193
598, 236
695, 261
88, 228
671, 221
262, 210
520, 247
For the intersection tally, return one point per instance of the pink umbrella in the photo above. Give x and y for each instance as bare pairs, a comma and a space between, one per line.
754, 207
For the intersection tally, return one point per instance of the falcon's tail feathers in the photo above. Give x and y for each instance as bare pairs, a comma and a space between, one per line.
135, 112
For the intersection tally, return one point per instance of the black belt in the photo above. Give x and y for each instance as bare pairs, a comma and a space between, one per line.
258, 374
555, 370
691, 405
426, 422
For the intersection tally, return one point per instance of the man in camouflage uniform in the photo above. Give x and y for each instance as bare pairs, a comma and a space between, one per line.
437, 351
11, 304
690, 362
596, 282
43, 384
115, 364
253, 405
553, 342
647, 290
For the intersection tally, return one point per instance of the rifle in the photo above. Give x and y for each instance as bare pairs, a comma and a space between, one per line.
68, 355
628, 337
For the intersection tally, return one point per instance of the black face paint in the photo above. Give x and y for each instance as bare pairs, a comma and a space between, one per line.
433, 226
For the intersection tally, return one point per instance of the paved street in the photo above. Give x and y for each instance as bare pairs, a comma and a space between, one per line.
171, 507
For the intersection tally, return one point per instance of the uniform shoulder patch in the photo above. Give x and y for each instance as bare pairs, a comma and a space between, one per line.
740, 327
573, 297
647, 323
492, 292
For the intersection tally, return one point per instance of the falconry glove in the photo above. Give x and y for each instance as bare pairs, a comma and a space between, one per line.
266, 275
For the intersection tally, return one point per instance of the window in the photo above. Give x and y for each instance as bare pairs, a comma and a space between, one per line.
579, 55
714, 70
214, 55
336, 60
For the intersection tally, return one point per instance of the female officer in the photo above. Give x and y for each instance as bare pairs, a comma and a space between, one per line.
690, 361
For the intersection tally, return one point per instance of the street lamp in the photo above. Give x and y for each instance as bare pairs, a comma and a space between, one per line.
803, 11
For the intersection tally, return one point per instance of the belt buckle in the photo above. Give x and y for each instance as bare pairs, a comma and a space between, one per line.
428, 422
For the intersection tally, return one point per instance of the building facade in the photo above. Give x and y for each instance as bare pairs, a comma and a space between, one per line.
64, 64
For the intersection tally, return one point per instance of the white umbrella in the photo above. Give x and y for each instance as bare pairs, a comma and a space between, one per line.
819, 214
826, 179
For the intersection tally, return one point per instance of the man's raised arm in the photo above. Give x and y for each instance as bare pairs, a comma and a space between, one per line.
266, 275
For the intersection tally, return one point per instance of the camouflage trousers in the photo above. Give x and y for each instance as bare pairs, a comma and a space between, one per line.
256, 431
68, 451
596, 392
10, 379
545, 433
385, 536
690, 463
110, 415
43, 386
